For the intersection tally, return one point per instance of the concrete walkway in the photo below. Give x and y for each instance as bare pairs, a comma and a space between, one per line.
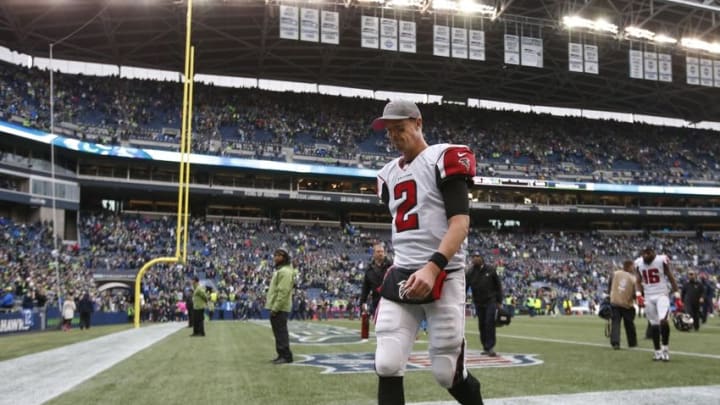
39, 377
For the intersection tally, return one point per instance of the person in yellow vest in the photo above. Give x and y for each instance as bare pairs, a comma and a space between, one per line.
510, 305
279, 302
538, 306
567, 306
530, 305
200, 299
211, 303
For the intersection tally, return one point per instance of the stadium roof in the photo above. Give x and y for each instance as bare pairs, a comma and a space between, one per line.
241, 38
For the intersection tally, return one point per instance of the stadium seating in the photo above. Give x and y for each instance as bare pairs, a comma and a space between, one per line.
235, 257
336, 130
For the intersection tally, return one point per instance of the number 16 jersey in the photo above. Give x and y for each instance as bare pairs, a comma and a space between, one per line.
652, 276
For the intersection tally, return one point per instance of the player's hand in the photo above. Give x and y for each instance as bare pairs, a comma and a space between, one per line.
364, 308
421, 283
676, 294
640, 301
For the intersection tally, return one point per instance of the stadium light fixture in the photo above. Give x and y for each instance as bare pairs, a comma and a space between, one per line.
471, 7
664, 39
605, 26
444, 5
465, 6
405, 3
699, 44
598, 25
639, 33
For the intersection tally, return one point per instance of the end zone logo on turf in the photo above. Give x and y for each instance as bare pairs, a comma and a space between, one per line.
344, 363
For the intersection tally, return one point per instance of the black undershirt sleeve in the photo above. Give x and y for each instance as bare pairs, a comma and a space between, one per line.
455, 195
385, 194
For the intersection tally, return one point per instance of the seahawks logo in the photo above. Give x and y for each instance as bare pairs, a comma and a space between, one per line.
346, 363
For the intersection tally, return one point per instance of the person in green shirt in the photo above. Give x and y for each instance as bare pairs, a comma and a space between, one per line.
200, 300
279, 302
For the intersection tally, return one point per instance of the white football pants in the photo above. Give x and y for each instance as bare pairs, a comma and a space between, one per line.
396, 327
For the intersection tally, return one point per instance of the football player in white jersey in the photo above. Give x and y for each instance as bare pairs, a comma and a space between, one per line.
653, 275
426, 192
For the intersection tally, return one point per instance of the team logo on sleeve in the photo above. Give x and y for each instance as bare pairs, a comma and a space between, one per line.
465, 162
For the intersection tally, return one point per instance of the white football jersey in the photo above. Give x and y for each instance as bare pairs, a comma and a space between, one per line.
652, 276
416, 202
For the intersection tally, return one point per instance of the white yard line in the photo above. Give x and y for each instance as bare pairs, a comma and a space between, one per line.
702, 395
574, 342
39, 377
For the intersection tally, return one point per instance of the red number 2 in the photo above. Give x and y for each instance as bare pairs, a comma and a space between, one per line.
407, 191
651, 276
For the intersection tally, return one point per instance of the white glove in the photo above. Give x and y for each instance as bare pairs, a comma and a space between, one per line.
676, 294
364, 307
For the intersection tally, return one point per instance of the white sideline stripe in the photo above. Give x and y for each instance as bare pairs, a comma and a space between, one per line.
39, 377
573, 342
700, 395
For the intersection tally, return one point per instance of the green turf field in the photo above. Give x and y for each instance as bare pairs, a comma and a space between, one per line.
231, 365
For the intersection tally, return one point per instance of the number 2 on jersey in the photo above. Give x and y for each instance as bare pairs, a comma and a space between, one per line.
406, 191
651, 276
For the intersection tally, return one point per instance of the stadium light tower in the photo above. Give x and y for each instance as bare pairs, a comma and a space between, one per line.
56, 251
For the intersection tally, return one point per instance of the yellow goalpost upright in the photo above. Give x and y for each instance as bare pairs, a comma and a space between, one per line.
181, 233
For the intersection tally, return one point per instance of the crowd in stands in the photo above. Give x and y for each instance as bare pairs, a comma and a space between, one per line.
234, 258
290, 126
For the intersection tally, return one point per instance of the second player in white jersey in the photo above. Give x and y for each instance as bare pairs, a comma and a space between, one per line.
652, 275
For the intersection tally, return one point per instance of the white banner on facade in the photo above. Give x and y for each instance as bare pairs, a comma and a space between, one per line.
706, 72
665, 67
716, 65
289, 22
441, 40
650, 64
693, 70
512, 50
309, 24
477, 45
575, 57
370, 32
531, 52
330, 27
388, 34
636, 64
459, 43
592, 59
408, 36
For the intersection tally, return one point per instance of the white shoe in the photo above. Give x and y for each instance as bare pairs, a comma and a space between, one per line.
658, 355
665, 355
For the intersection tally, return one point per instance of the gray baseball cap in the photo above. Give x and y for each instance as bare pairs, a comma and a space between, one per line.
396, 110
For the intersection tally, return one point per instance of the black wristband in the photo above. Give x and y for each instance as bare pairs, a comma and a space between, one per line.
439, 259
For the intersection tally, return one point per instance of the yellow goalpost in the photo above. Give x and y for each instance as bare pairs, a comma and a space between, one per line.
181, 233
